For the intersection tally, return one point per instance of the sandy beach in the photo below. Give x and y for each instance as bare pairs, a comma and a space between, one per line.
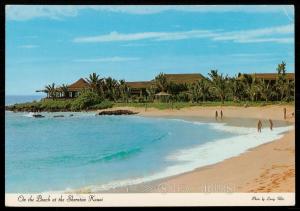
267, 168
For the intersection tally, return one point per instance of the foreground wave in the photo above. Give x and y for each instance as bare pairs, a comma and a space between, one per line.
204, 154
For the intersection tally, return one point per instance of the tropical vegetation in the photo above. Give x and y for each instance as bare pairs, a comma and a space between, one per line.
216, 88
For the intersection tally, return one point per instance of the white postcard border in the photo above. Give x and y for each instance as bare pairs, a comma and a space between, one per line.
149, 199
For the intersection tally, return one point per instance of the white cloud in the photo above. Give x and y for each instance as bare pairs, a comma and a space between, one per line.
269, 34
28, 46
158, 36
115, 36
108, 59
259, 35
152, 9
277, 40
134, 45
27, 12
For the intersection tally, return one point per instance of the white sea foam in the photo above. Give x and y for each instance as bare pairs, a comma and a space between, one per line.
206, 154
30, 114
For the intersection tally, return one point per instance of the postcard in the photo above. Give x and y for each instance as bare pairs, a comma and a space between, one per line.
149, 105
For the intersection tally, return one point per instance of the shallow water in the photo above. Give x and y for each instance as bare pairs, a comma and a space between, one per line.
100, 152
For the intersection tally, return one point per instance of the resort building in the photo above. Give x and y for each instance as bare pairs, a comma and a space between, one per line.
184, 78
140, 87
75, 88
270, 77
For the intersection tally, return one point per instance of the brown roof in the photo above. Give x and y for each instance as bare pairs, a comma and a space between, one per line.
139, 84
184, 78
78, 85
272, 76
176, 78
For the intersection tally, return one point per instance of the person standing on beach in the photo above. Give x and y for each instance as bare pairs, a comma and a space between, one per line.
221, 114
284, 113
216, 116
259, 125
271, 124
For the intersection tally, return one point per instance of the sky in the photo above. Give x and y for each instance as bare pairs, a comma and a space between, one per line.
60, 44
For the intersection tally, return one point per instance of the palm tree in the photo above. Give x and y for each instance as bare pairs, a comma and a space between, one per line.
288, 88
199, 89
64, 89
236, 88
252, 89
281, 68
95, 83
110, 88
194, 92
161, 82
51, 90
204, 87
123, 90
265, 89
219, 84
151, 92
281, 80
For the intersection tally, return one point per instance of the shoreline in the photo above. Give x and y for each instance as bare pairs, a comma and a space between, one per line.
269, 167
211, 182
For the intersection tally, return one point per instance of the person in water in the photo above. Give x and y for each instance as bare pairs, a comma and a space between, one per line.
271, 124
221, 114
216, 116
259, 126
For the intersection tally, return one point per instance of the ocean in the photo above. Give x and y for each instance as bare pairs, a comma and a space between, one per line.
12, 99
102, 152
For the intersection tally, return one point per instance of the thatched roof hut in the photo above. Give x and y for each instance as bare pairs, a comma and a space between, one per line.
78, 85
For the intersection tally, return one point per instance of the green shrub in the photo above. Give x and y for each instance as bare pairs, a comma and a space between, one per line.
103, 105
56, 105
183, 97
85, 100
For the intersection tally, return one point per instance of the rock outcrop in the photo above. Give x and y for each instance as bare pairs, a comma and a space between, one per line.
117, 112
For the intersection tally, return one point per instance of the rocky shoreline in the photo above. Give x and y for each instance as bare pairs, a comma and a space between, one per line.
117, 112
101, 113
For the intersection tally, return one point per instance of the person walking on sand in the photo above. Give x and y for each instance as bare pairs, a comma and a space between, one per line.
216, 116
259, 125
271, 124
221, 114
284, 113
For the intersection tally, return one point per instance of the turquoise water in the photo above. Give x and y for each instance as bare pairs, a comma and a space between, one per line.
55, 154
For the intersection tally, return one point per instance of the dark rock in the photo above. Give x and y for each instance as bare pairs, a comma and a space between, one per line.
38, 116
117, 112
71, 115
55, 116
